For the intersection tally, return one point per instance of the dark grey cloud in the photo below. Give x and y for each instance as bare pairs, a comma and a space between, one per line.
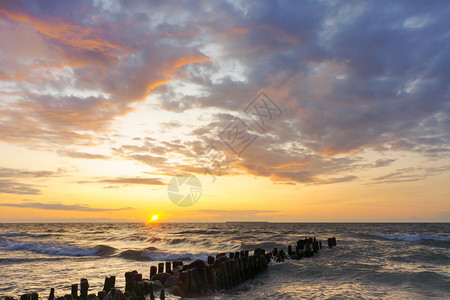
59, 206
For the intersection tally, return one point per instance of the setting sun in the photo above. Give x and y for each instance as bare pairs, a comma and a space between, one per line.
155, 217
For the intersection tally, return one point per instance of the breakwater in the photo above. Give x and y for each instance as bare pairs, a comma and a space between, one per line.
198, 278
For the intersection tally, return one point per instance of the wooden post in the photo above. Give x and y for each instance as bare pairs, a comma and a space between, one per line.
153, 271
161, 268
330, 242
84, 287
110, 283
74, 291
185, 282
210, 260
101, 295
52, 294
168, 267
150, 291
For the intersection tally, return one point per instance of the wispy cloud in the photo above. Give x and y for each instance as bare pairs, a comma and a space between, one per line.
409, 174
11, 187
127, 181
20, 173
82, 155
59, 206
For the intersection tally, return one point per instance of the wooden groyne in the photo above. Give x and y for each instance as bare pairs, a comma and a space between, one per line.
198, 278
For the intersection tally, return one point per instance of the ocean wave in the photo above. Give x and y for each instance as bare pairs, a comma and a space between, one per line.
56, 248
154, 239
413, 237
15, 234
148, 255
201, 232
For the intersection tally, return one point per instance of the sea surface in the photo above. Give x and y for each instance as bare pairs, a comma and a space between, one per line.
371, 261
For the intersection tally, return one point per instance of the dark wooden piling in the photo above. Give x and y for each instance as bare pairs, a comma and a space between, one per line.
110, 283
168, 267
102, 295
67, 297
84, 287
161, 268
153, 271
74, 291
210, 260
52, 294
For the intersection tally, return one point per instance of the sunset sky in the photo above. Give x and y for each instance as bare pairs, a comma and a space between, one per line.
103, 102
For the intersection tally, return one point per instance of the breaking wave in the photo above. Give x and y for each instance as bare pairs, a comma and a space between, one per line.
56, 248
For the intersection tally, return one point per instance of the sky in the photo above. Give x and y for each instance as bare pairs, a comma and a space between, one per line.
202, 111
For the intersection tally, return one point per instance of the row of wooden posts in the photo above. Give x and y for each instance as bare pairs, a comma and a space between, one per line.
199, 278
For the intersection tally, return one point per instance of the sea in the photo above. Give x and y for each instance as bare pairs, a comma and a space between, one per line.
370, 261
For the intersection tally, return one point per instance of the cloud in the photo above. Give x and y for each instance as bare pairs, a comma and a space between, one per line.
350, 77
82, 155
11, 187
410, 174
127, 181
383, 162
8, 172
59, 206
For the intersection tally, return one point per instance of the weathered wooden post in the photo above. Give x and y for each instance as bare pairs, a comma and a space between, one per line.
110, 283
153, 271
67, 297
184, 282
74, 291
330, 242
211, 277
52, 294
210, 260
315, 247
150, 291
168, 267
334, 241
131, 279
84, 287
161, 268
102, 295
